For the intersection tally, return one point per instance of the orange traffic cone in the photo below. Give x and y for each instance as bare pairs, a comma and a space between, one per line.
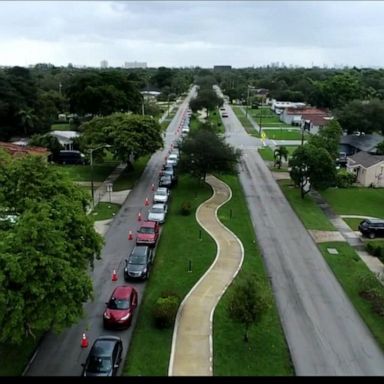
146, 201
84, 341
114, 275
139, 216
130, 236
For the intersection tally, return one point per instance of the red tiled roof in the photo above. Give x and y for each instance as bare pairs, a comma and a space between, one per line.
17, 150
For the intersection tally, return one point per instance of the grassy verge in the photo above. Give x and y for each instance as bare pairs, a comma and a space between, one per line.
353, 223
61, 127
307, 210
179, 242
266, 353
104, 211
349, 269
15, 358
245, 122
130, 176
266, 153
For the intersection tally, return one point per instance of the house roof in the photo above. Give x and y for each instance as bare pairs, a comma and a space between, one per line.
66, 135
17, 150
316, 120
365, 159
365, 143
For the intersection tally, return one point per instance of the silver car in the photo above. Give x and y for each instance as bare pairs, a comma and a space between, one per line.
161, 195
158, 212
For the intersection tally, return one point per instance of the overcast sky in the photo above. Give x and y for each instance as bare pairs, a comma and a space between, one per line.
192, 33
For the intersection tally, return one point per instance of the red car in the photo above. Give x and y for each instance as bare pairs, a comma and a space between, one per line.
148, 233
120, 307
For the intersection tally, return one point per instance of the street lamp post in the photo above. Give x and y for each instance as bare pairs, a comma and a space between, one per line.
91, 150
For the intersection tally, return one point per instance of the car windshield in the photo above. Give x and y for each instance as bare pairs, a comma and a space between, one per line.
99, 364
161, 193
157, 210
118, 303
140, 260
146, 230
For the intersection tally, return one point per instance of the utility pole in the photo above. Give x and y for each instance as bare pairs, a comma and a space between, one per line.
246, 107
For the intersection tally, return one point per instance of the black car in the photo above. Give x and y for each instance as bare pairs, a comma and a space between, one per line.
165, 181
372, 228
70, 157
138, 264
104, 357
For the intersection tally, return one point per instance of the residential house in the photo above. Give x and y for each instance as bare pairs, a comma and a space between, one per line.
368, 168
279, 106
351, 144
65, 138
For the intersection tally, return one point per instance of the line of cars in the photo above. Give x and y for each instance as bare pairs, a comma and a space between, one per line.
105, 356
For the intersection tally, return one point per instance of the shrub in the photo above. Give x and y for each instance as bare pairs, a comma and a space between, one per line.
372, 291
345, 179
165, 310
186, 208
376, 248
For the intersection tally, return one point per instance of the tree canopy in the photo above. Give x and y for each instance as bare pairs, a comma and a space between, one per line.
130, 136
45, 254
203, 151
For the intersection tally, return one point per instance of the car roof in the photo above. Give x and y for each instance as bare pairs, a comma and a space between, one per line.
158, 205
139, 250
103, 345
374, 221
161, 189
149, 223
122, 291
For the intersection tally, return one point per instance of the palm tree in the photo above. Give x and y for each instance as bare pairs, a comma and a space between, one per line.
26, 119
278, 154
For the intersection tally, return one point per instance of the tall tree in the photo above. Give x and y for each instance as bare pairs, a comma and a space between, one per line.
45, 255
130, 136
280, 153
204, 151
312, 167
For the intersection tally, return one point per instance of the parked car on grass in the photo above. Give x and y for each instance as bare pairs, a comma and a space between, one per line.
104, 358
148, 233
120, 307
138, 264
372, 228
158, 212
70, 157
161, 195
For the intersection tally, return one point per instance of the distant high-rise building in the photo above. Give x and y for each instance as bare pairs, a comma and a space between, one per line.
222, 67
103, 64
135, 64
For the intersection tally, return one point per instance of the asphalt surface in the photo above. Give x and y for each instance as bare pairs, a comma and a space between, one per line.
62, 355
325, 334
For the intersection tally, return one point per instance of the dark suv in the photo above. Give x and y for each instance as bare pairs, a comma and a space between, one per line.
139, 263
104, 357
372, 228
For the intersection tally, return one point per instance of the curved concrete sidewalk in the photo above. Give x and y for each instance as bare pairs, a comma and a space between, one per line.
192, 349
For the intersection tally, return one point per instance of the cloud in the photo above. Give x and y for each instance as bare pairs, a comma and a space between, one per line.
184, 33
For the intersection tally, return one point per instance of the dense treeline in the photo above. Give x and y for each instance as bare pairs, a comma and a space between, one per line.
32, 98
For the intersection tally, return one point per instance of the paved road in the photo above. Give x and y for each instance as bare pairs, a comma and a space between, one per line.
61, 355
325, 334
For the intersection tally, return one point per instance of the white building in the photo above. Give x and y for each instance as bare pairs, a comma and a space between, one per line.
135, 64
65, 138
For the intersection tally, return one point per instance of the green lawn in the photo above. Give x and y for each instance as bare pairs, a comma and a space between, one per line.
356, 201
306, 209
179, 242
83, 172
266, 153
283, 134
348, 269
104, 211
353, 223
266, 353
129, 177
61, 127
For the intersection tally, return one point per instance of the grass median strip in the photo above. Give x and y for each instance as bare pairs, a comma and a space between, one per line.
266, 353
182, 240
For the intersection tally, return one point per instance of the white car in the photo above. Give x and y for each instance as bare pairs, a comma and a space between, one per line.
157, 212
161, 195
